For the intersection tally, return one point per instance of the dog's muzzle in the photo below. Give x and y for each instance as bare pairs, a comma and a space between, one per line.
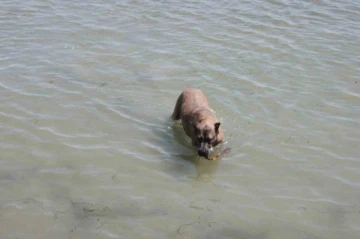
203, 153
204, 150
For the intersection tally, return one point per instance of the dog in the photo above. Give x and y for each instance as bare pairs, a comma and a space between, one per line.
198, 121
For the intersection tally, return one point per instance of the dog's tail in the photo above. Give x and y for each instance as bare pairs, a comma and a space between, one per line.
176, 114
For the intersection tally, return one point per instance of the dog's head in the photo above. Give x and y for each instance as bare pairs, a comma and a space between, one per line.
206, 137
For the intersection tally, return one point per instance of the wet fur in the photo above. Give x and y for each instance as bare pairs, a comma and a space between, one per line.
198, 121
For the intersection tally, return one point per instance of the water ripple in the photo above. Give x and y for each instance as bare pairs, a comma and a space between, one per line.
87, 89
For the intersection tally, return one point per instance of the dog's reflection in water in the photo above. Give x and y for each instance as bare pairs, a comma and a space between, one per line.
205, 169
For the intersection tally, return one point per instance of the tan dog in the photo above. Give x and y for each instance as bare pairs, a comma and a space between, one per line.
198, 121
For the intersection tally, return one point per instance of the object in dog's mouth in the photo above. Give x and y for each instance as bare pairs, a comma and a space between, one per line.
225, 151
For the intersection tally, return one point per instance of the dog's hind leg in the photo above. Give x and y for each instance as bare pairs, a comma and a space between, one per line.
176, 114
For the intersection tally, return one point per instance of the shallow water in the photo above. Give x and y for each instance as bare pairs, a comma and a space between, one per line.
87, 149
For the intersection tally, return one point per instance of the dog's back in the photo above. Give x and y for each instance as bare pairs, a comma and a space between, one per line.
190, 101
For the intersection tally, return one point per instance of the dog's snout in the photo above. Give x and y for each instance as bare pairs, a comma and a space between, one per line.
203, 153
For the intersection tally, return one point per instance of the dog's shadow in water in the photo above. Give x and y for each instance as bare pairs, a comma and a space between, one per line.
205, 169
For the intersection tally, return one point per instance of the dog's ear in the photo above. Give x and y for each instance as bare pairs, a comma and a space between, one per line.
217, 125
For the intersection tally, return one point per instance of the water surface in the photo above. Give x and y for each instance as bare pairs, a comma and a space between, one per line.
87, 149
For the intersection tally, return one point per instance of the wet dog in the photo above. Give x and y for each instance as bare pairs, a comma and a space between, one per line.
198, 121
